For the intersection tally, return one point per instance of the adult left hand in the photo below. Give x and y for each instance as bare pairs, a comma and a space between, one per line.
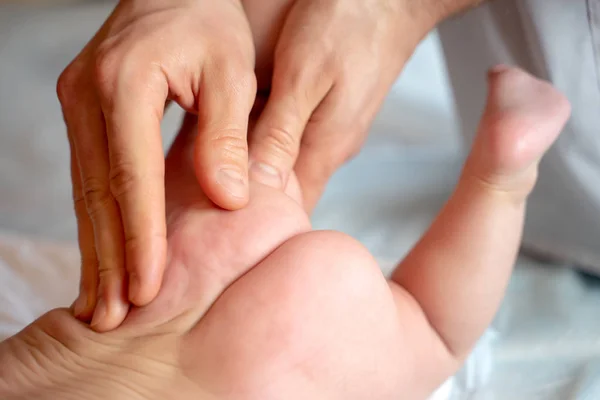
328, 65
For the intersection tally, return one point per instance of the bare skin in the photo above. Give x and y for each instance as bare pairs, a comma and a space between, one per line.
255, 305
326, 83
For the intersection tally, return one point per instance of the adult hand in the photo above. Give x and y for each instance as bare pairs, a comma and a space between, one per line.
198, 53
333, 63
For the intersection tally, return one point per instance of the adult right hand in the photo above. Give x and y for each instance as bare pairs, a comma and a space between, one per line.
198, 53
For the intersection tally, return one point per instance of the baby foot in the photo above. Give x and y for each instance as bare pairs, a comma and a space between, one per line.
522, 119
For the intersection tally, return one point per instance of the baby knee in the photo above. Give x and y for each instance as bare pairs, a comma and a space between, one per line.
334, 259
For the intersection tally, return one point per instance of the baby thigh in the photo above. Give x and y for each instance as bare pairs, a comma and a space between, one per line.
315, 319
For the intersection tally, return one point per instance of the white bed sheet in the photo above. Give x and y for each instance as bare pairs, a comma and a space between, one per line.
544, 343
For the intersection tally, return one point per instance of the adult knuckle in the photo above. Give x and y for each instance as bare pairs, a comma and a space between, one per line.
236, 71
135, 240
76, 190
231, 142
293, 75
281, 140
230, 63
109, 269
96, 194
79, 200
107, 67
307, 83
66, 86
123, 180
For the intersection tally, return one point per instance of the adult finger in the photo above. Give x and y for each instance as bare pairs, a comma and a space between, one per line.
297, 89
133, 106
92, 152
221, 151
101, 253
84, 305
86, 301
314, 167
333, 136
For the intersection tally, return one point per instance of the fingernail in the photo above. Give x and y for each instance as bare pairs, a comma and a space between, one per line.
80, 304
233, 182
99, 313
266, 174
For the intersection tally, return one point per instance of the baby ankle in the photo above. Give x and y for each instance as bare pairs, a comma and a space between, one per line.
515, 187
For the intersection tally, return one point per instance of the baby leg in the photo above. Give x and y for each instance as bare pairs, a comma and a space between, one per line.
458, 272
